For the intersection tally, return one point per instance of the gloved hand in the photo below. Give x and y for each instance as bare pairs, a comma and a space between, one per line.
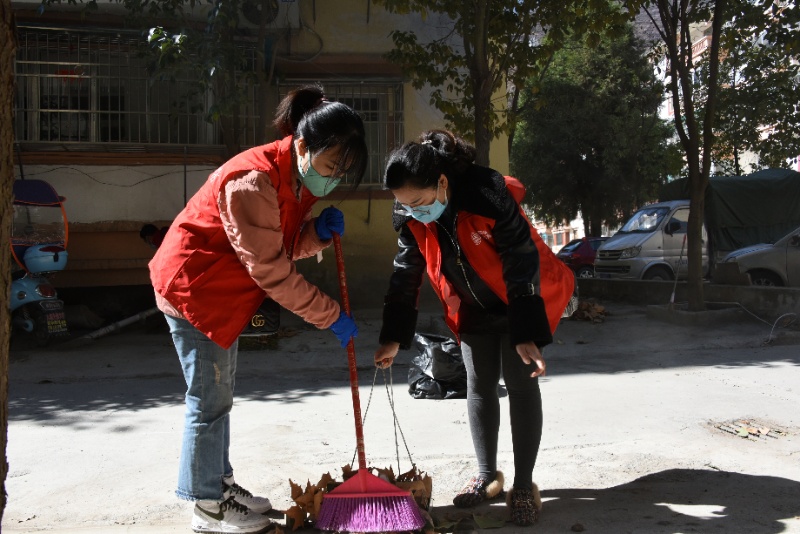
344, 328
330, 220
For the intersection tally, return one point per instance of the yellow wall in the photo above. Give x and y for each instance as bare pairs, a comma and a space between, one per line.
420, 116
369, 245
105, 249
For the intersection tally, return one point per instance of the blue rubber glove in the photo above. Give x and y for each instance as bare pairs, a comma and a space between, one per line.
330, 220
344, 328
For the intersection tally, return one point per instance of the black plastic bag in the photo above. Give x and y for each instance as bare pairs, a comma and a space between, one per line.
437, 371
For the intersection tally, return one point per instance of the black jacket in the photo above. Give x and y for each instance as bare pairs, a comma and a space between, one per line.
481, 191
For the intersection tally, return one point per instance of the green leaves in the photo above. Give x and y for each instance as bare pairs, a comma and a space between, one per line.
756, 110
488, 44
589, 138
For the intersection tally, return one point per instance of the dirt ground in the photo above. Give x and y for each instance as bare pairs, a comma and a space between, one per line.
650, 427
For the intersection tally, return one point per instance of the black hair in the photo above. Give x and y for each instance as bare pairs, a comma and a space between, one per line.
305, 112
420, 163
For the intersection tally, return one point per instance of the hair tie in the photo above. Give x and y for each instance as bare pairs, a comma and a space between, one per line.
427, 142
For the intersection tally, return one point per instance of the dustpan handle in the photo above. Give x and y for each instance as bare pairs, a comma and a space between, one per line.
351, 356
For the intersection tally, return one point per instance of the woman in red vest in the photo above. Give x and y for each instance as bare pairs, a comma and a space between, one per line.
502, 289
232, 246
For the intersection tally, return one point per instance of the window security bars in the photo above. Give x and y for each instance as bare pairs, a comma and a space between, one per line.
93, 87
85, 90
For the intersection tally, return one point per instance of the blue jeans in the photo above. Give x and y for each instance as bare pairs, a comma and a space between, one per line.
210, 372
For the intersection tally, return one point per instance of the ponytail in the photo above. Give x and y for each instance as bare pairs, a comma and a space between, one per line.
294, 105
419, 164
458, 154
306, 113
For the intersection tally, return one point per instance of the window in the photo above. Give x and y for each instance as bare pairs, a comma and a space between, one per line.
381, 108
572, 245
645, 220
681, 217
91, 87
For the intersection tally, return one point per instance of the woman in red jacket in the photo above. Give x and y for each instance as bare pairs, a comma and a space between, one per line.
232, 246
503, 292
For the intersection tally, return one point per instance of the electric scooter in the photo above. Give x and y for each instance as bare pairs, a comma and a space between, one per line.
38, 246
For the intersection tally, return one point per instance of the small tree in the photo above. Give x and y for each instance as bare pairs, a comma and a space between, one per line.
674, 20
589, 138
489, 45
211, 54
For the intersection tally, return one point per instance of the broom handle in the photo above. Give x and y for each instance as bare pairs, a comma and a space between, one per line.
351, 357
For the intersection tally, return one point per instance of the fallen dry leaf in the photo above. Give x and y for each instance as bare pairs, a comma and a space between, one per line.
385, 474
589, 310
324, 481
296, 490
295, 517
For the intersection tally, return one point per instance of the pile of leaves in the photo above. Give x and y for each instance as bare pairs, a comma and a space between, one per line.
308, 501
589, 310
749, 429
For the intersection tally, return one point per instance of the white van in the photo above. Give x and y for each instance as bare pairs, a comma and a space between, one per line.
650, 246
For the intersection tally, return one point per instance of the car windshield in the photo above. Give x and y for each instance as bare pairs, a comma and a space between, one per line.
645, 220
571, 246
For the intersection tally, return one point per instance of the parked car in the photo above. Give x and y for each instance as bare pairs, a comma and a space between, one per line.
579, 255
650, 246
767, 264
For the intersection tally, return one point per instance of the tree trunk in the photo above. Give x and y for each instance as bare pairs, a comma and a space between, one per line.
7, 52
694, 240
481, 78
514, 111
699, 174
483, 137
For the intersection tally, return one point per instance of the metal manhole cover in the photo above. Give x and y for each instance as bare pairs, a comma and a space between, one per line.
751, 430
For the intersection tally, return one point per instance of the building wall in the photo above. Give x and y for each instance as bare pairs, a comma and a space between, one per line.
110, 196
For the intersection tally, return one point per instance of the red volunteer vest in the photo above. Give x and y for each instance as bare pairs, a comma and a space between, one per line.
474, 234
197, 270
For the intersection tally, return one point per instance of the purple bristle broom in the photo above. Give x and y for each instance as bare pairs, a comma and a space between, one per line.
364, 503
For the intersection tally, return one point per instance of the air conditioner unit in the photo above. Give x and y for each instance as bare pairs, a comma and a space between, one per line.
275, 14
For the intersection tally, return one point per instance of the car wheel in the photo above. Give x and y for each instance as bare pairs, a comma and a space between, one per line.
585, 272
657, 273
765, 278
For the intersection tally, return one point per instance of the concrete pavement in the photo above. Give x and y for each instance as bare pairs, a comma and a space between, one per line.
641, 422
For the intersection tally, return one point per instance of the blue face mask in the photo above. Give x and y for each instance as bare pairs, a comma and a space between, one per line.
430, 212
318, 185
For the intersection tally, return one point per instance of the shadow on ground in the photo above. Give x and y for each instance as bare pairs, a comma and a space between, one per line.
677, 500
137, 369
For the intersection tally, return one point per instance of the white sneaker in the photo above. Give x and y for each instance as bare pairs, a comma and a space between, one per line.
227, 517
259, 505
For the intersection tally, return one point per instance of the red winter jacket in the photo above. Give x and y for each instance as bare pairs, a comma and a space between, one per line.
234, 244
476, 241
503, 250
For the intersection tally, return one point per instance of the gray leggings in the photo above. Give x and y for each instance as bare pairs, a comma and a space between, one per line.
483, 354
